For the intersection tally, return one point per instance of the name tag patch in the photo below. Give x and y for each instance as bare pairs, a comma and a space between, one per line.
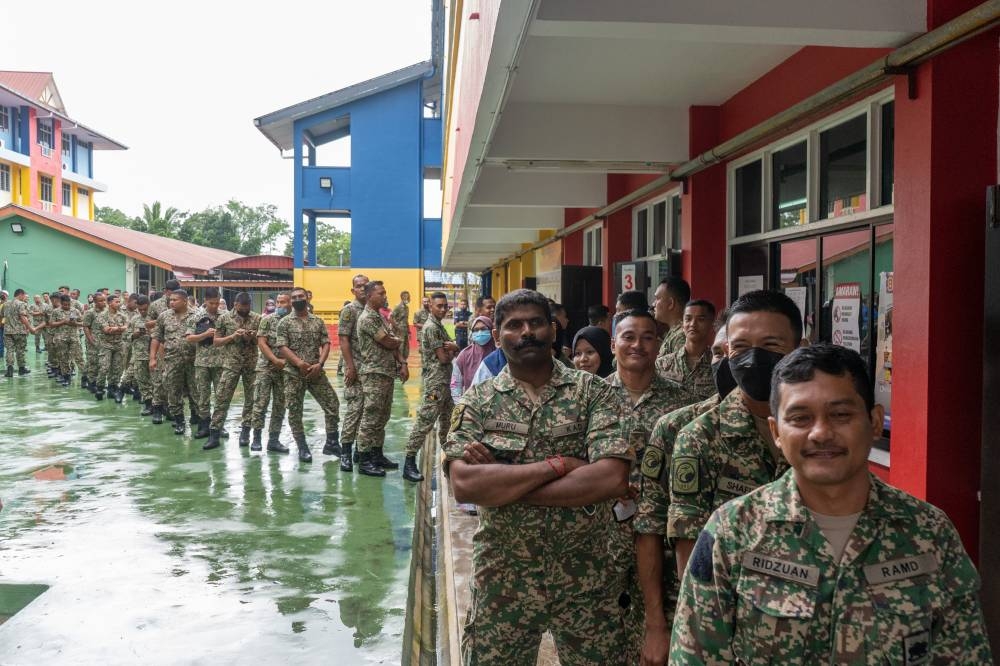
904, 567
572, 428
495, 425
735, 486
772, 566
917, 649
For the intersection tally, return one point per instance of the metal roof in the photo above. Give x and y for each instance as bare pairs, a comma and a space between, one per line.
18, 88
167, 253
277, 126
260, 261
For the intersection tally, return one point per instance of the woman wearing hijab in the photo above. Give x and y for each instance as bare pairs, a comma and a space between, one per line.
467, 362
592, 351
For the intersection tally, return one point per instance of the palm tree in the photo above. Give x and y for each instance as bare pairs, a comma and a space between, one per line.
160, 222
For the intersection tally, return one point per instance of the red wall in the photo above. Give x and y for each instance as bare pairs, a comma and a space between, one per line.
573, 244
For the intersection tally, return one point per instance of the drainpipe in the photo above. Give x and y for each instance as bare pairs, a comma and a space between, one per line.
900, 61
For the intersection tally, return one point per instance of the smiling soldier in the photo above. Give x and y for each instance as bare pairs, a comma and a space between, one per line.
828, 564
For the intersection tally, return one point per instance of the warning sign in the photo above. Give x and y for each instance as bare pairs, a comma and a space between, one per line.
847, 315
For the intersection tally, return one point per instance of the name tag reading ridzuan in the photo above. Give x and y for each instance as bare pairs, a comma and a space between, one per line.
772, 566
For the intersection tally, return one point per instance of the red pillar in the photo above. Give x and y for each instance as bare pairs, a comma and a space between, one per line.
703, 214
617, 235
945, 157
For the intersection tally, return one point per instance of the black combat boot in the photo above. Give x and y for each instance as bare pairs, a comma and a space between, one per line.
10, 371
274, 444
85, 383
50, 372
203, 429
119, 393
256, 445
213, 440
23, 371
357, 456
147, 408
64, 381
99, 394
157, 414
136, 394
345, 457
245, 435
410, 471
194, 420
332, 446
384, 462
369, 465
92, 386
179, 424
305, 455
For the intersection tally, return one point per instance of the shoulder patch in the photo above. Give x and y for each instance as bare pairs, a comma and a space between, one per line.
700, 565
684, 477
652, 463
457, 415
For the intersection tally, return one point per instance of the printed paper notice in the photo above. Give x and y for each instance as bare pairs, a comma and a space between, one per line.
747, 283
798, 294
847, 315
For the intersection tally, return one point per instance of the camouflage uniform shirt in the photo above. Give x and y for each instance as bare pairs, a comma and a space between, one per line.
240, 353
139, 345
206, 354
763, 586
89, 319
521, 548
14, 310
108, 318
420, 318
62, 333
268, 328
304, 336
348, 325
157, 307
400, 318
170, 331
717, 457
673, 340
432, 337
697, 381
375, 359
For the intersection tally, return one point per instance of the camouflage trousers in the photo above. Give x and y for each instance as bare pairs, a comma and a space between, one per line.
156, 379
178, 383
436, 407
15, 344
354, 399
377, 396
224, 395
75, 351
505, 627
93, 360
269, 386
127, 376
319, 388
404, 348
206, 381
109, 369
141, 378
39, 337
59, 356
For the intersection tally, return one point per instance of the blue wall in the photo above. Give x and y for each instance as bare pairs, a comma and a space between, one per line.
432, 142
84, 159
7, 135
431, 251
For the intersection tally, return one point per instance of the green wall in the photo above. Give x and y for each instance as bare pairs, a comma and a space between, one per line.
41, 259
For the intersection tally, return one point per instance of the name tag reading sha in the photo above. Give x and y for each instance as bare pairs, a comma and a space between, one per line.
572, 428
735, 486
772, 566
495, 425
904, 567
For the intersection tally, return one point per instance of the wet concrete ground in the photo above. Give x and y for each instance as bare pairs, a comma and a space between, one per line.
157, 552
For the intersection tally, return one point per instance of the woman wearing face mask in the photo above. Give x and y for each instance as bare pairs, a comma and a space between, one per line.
466, 363
592, 351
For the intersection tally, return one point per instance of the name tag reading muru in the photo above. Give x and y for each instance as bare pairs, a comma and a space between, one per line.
496, 425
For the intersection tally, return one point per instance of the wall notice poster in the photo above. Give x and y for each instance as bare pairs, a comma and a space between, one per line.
745, 283
883, 353
798, 294
847, 315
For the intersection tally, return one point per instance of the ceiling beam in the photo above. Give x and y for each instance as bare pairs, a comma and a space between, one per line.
503, 187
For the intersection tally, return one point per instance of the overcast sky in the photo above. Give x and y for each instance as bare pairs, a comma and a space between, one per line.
180, 83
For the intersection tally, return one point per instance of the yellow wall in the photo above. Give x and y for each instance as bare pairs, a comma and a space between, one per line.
499, 283
332, 286
514, 275
25, 186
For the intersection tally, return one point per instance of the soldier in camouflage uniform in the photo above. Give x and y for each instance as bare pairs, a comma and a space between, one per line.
47, 307
381, 363
15, 332
91, 332
654, 556
421, 315
671, 295
828, 564
62, 328
156, 308
178, 356
37, 311
691, 365
304, 343
236, 335
138, 339
112, 324
207, 363
728, 451
437, 351
643, 396
127, 383
269, 384
400, 318
540, 449
347, 337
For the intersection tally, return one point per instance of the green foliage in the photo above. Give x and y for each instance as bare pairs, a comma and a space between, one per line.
333, 246
114, 216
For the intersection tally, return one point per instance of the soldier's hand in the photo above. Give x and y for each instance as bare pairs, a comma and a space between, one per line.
210, 333
476, 453
631, 494
314, 370
303, 369
572, 463
655, 645
350, 376
150, 325
404, 373
280, 364
152, 363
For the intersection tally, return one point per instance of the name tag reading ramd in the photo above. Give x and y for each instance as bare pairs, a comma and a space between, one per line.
495, 425
904, 567
772, 566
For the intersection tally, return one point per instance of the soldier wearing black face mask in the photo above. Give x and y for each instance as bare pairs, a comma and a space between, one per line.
728, 451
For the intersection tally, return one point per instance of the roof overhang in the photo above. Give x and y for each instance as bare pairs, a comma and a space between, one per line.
546, 98
9, 97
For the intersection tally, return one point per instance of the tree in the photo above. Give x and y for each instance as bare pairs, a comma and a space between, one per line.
333, 246
109, 215
236, 227
156, 220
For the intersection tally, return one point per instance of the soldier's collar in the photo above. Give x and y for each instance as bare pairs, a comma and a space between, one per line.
784, 502
561, 375
735, 420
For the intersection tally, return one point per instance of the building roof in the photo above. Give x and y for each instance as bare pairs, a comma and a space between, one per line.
39, 89
277, 126
274, 262
167, 253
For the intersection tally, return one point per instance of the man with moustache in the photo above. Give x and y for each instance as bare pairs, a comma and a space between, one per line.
691, 365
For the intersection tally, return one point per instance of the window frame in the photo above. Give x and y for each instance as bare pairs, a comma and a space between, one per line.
44, 181
5, 176
593, 251
670, 199
49, 130
67, 195
66, 143
4, 118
